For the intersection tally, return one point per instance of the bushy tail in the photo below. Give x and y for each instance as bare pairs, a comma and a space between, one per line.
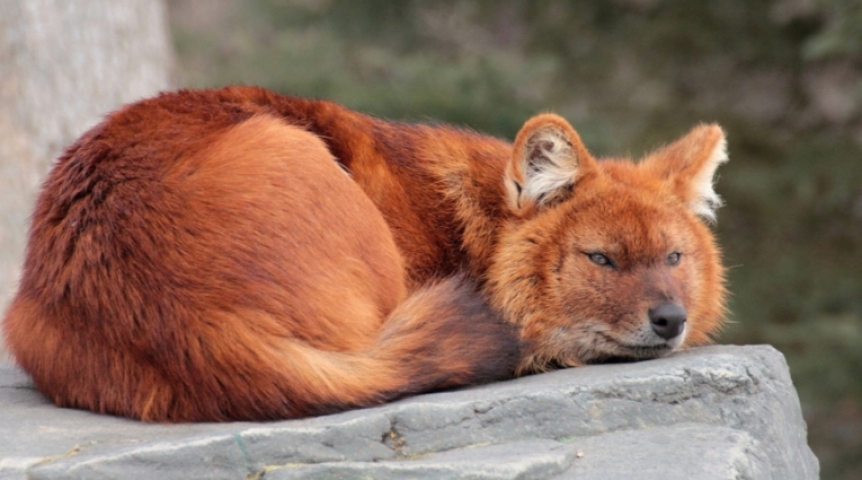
447, 336
441, 337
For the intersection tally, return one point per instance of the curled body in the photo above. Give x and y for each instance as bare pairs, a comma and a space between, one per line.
238, 254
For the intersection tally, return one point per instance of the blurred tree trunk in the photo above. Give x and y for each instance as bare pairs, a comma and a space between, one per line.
63, 65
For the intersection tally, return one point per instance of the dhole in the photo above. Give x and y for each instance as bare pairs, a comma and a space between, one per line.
239, 254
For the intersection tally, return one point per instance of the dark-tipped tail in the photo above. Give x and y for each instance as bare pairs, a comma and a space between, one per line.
446, 336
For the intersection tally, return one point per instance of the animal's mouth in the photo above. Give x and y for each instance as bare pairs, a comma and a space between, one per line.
620, 352
641, 354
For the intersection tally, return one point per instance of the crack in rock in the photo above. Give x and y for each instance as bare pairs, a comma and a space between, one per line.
393, 439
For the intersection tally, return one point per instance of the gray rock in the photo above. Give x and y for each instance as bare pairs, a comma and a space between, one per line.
715, 412
708, 453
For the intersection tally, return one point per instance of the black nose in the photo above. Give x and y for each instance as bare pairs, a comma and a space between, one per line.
667, 320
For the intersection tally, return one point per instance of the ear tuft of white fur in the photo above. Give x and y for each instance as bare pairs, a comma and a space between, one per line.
705, 201
549, 165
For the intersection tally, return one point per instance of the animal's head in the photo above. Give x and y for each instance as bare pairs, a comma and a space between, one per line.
609, 260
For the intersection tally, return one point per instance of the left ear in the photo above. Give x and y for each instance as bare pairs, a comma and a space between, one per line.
689, 166
547, 159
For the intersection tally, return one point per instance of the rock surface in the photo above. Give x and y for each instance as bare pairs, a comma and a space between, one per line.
709, 413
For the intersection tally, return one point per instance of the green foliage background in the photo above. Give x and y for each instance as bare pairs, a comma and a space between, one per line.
783, 77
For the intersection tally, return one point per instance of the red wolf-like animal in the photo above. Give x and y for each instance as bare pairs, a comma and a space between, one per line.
238, 254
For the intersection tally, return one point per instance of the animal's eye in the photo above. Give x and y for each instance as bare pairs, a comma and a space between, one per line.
673, 258
600, 259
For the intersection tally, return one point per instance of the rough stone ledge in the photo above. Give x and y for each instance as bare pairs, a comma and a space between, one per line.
709, 452
716, 412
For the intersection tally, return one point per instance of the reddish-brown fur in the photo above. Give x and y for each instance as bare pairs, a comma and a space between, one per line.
238, 254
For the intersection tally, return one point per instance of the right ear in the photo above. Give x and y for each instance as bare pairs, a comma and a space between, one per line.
548, 156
